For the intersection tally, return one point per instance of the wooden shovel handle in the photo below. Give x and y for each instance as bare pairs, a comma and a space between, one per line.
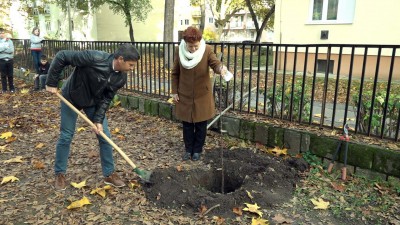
101, 132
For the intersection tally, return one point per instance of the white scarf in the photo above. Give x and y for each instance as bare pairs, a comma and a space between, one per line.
190, 60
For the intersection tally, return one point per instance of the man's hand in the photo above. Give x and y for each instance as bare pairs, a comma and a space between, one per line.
98, 128
51, 89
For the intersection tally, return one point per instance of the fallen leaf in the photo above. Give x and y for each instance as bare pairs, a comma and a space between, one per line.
6, 135
115, 131
93, 154
121, 137
79, 185
17, 159
79, 203
202, 209
24, 91
116, 103
278, 151
170, 101
279, 219
81, 129
238, 211
259, 221
254, 208
338, 187
3, 149
320, 203
249, 194
40, 145
38, 165
8, 179
134, 184
179, 168
11, 139
218, 220
101, 191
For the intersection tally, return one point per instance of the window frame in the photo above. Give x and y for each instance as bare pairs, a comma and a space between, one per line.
345, 13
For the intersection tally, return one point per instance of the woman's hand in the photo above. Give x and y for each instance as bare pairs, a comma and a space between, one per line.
224, 70
175, 97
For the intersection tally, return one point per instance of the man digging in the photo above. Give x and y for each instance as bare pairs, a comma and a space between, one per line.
95, 80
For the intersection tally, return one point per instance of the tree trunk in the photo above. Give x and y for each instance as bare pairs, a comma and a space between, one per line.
203, 15
168, 31
131, 31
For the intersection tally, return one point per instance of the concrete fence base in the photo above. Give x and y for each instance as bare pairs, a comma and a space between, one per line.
367, 160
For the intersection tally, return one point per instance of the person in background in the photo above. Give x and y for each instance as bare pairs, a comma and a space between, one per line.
91, 86
36, 48
40, 78
6, 62
192, 89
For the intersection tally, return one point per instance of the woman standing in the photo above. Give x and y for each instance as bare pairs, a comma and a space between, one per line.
192, 89
36, 47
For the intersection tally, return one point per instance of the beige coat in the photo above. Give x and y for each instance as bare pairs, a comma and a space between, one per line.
193, 86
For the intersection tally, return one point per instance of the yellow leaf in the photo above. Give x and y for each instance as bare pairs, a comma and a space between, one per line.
320, 203
3, 148
79, 185
101, 191
24, 91
278, 151
17, 159
115, 131
259, 221
117, 103
6, 135
249, 194
40, 145
81, 129
79, 203
171, 101
134, 184
8, 179
253, 208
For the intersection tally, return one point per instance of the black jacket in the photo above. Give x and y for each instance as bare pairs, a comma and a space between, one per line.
93, 81
44, 69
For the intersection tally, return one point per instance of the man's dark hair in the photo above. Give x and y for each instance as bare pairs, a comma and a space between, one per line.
128, 52
43, 57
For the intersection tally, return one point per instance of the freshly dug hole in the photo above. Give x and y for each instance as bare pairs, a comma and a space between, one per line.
270, 181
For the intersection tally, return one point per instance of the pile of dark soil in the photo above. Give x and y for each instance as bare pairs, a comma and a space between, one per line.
245, 177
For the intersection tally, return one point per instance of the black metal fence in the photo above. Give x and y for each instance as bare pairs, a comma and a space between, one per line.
325, 85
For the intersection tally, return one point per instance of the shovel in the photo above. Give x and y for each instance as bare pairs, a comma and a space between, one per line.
145, 175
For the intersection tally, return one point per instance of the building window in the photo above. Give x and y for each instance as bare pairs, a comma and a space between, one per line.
186, 22
48, 26
181, 22
210, 20
35, 11
332, 11
321, 66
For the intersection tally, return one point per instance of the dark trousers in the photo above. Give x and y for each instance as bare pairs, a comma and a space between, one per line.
36, 59
194, 136
7, 73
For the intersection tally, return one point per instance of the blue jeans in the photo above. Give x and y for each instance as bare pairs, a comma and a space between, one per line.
67, 130
36, 59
